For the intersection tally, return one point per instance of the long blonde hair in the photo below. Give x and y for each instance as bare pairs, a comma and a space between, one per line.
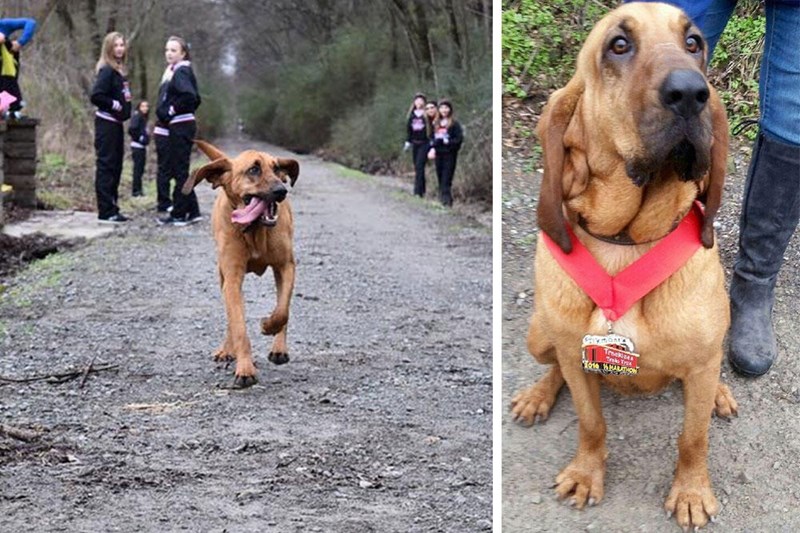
411, 107
107, 54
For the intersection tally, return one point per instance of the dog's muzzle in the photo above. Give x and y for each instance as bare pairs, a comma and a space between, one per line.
261, 209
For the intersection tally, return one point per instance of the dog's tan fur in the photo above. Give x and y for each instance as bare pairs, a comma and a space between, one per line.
593, 131
240, 252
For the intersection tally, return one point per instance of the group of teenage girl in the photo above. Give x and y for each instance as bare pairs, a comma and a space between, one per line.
178, 99
433, 134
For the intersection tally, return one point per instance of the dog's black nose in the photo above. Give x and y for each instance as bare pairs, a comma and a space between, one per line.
278, 193
684, 92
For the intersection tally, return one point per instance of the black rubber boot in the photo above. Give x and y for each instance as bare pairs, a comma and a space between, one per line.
770, 213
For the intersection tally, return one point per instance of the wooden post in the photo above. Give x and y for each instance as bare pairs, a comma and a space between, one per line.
19, 161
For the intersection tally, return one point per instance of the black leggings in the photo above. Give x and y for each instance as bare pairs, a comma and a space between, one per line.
420, 156
445, 168
180, 151
109, 146
163, 176
139, 155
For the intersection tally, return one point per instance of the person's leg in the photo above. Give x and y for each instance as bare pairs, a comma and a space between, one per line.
439, 163
118, 151
194, 206
14, 90
138, 156
420, 155
449, 168
104, 169
771, 205
713, 22
163, 173
180, 151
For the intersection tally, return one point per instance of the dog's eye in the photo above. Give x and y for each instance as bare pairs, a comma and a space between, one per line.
693, 44
255, 170
620, 45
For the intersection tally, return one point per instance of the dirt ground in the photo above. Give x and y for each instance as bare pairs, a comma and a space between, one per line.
380, 422
753, 460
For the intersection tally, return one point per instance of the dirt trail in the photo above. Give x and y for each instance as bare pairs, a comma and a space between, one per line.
753, 460
380, 422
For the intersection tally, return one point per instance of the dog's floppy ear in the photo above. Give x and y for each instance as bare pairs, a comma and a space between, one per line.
209, 149
552, 126
287, 167
214, 172
712, 195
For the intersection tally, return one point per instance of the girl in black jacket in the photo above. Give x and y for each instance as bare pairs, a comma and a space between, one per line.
177, 102
140, 138
446, 140
418, 130
112, 96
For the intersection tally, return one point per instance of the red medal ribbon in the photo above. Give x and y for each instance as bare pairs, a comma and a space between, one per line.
616, 295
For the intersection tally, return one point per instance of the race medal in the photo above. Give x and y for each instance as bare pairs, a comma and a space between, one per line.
609, 354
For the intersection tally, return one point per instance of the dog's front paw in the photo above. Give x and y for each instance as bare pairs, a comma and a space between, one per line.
692, 501
278, 358
242, 382
245, 373
582, 481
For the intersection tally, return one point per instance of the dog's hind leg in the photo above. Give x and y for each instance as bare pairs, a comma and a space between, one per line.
236, 336
275, 323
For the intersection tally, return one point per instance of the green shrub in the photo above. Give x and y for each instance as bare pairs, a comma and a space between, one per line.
736, 64
540, 41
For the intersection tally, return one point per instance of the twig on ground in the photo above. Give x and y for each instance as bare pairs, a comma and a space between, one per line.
19, 434
86, 372
58, 377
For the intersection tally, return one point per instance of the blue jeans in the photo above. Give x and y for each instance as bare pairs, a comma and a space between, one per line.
779, 83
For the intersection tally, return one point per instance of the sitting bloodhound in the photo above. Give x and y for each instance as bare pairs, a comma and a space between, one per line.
629, 289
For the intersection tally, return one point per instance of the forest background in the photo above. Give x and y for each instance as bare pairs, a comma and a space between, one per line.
333, 77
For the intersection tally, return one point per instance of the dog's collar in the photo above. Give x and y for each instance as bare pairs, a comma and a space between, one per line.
616, 295
623, 237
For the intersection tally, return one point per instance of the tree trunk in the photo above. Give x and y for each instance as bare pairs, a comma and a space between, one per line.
111, 24
44, 12
66, 18
487, 22
423, 39
461, 55
142, 66
414, 20
94, 35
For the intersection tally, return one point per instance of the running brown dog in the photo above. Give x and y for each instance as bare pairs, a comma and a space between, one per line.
630, 143
253, 228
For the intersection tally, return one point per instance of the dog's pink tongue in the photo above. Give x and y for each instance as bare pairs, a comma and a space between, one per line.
252, 211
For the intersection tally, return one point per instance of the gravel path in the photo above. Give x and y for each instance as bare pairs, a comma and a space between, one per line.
380, 422
754, 461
